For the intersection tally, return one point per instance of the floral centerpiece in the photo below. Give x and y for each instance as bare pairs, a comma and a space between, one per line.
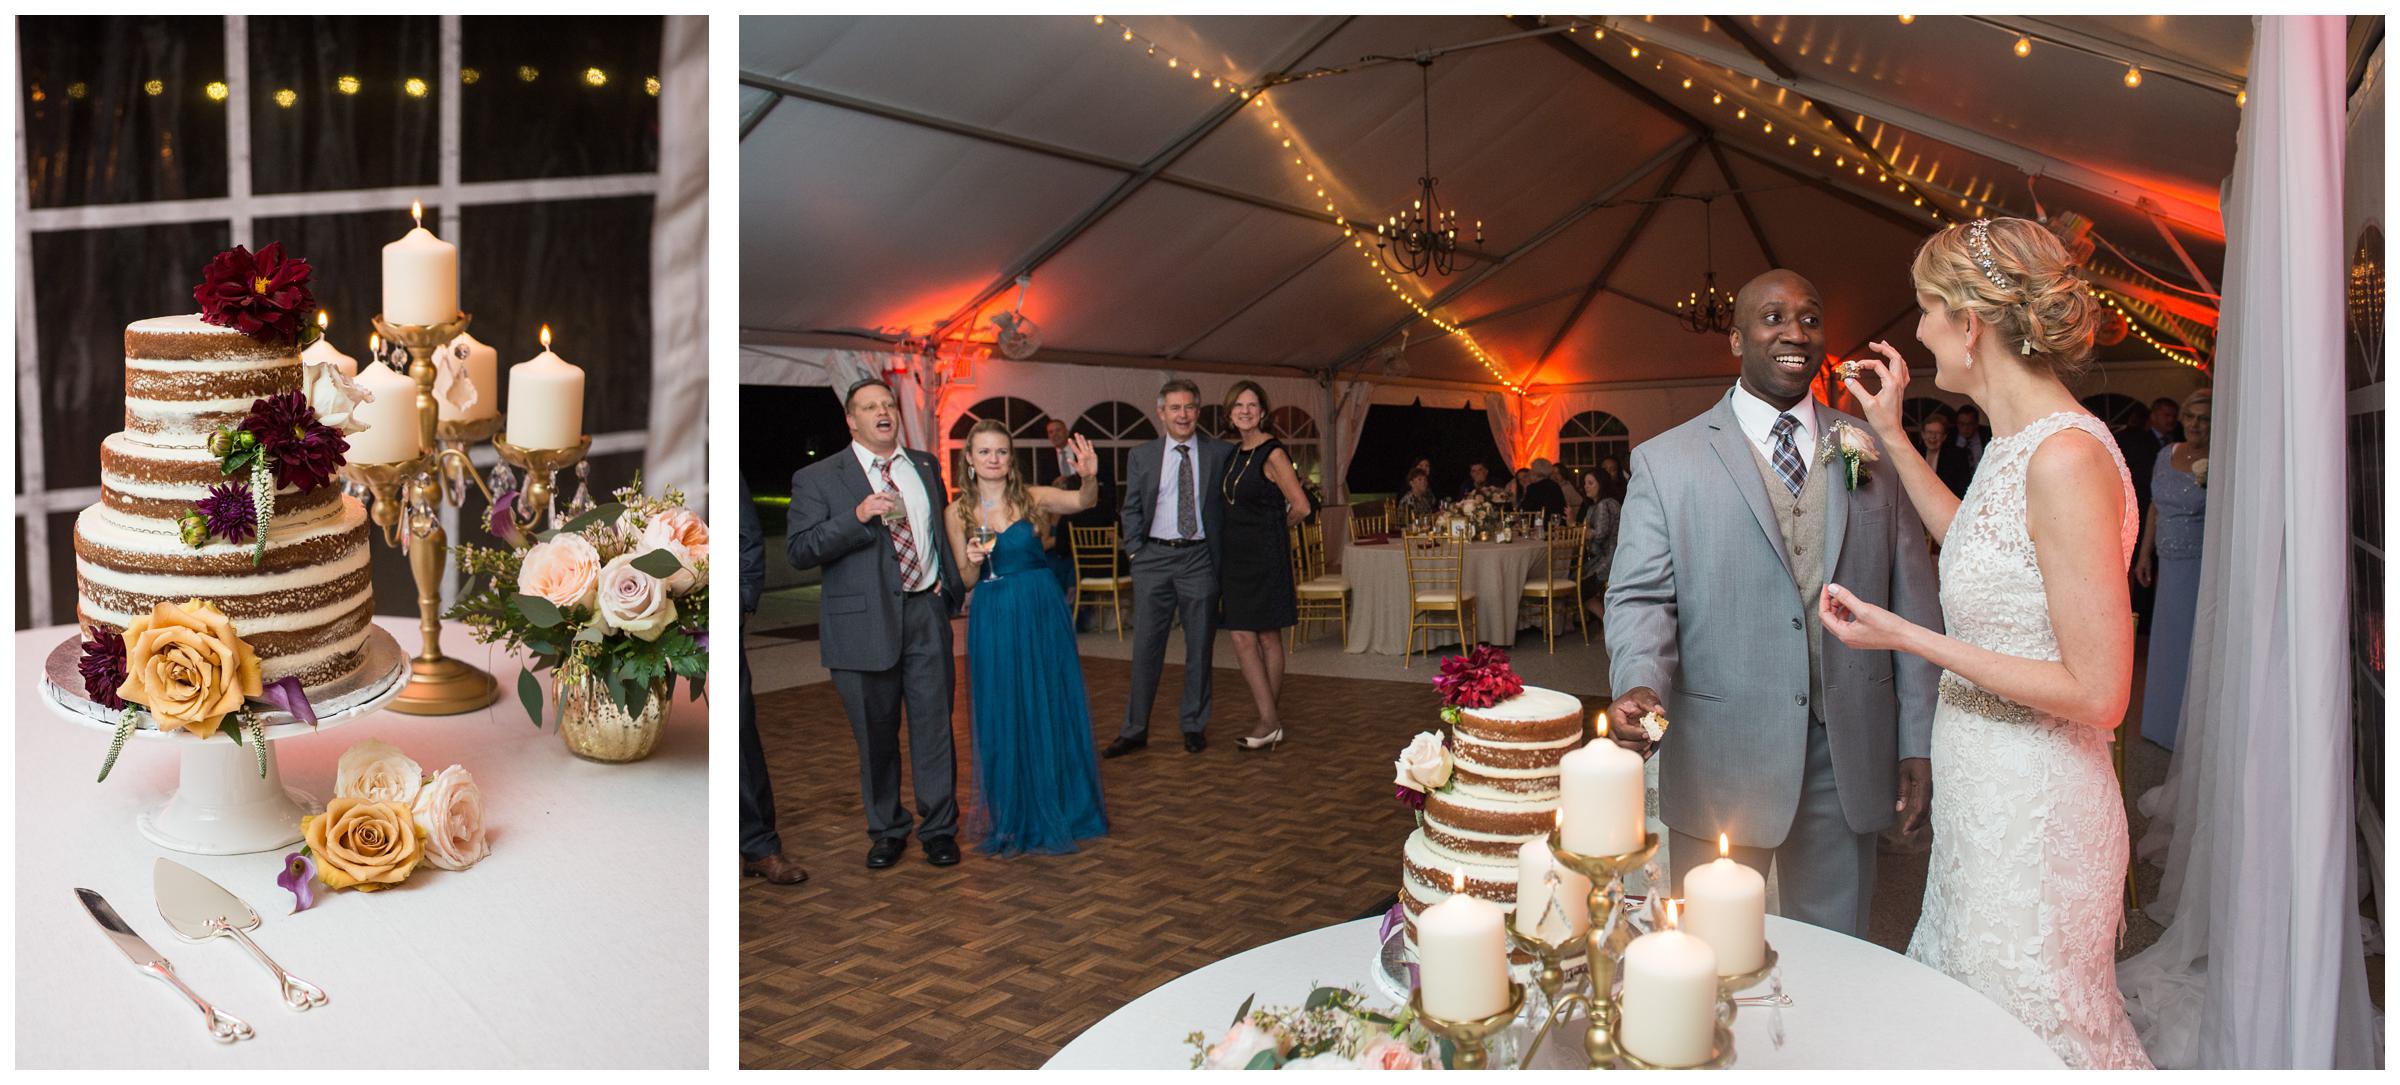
184, 667
1334, 1030
616, 597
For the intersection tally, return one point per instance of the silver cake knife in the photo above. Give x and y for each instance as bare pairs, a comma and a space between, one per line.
224, 1026
199, 909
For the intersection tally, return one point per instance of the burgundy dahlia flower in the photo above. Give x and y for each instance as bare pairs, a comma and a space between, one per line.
305, 452
103, 666
228, 512
264, 296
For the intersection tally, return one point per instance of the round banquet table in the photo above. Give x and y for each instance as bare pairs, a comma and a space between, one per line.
1855, 1005
581, 941
1378, 577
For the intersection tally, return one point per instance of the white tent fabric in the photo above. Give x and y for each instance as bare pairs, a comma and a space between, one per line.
2262, 966
679, 265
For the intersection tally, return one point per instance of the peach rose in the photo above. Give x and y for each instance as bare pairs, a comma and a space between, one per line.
376, 771
449, 815
1386, 1053
632, 601
565, 571
187, 667
674, 533
363, 845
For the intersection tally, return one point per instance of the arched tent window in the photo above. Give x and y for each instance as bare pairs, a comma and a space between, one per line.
2123, 414
1914, 411
1114, 428
1215, 422
1593, 436
1025, 423
1299, 432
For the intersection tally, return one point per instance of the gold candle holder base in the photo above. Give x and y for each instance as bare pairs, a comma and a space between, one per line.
1467, 1037
1605, 943
1720, 1055
1730, 986
406, 497
1549, 967
541, 467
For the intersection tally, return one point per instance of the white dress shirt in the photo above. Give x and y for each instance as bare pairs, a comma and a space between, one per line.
1757, 418
1164, 522
913, 499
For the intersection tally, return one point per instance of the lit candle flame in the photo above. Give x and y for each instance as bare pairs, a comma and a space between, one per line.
1674, 914
545, 337
322, 319
375, 345
416, 210
1724, 846
1458, 879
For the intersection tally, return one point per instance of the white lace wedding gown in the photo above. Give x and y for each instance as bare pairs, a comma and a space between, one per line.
2025, 894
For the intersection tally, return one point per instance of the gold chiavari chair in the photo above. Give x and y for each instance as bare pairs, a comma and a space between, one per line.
1323, 597
1437, 586
1100, 570
1367, 520
1558, 578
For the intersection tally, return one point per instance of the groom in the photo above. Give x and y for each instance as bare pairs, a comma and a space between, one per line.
870, 514
1780, 737
1172, 524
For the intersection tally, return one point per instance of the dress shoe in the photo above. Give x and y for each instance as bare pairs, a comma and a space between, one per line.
1123, 746
942, 851
885, 852
1195, 742
1268, 741
776, 869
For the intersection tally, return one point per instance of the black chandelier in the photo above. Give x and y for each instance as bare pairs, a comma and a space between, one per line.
1424, 238
1707, 310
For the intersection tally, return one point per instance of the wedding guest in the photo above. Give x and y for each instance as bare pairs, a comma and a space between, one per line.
1600, 546
1541, 493
890, 592
762, 846
1612, 478
1517, 486
1972, 435
2141, 447
2169, 565
1174, 537
1054, 467
1263, 499
1425, 464
1949, 463
1479, 475
1419, 501
1037, 785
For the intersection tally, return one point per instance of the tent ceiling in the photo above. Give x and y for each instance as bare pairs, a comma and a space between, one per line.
894, 170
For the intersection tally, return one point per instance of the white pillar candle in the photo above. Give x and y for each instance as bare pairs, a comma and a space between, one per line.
420, 276
1670, 999
545, 401
1600, 799
323, 351
1534, 864
1462, 957
1725, 905
480, 368
391, 418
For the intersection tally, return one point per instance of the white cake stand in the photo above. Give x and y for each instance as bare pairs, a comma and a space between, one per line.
222, 806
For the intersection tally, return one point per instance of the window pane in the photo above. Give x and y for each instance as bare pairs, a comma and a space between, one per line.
345, 256
331, 104
534, 108
580, 266
90, 285
62, 569
117, 108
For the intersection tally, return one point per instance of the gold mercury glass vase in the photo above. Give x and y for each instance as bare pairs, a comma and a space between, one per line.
596, 729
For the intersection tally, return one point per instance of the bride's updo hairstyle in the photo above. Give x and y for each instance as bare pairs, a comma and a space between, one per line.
2014, 276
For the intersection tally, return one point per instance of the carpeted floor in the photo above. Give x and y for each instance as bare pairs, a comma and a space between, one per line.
998, 963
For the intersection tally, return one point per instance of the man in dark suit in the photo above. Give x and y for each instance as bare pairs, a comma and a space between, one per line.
871, 517
1971, 435
1949, 462
1478, 477
1055, 466
1543, 493
1172, 526
762, 846
2141, 448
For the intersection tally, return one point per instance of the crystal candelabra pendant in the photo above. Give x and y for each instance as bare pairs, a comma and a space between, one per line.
582, 501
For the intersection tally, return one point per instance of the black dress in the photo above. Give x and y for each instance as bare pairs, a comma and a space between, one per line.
1256, 584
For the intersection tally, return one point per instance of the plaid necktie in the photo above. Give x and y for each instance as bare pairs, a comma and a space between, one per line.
1788, 462
1187, 513
904, 541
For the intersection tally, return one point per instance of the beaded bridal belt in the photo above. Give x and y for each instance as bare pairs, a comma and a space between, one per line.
1970, 697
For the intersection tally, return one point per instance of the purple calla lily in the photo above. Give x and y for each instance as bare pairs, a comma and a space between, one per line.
502, 523
300, 878
286, 694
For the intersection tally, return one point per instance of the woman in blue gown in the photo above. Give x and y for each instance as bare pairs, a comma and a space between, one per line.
1037, 781
2169, 563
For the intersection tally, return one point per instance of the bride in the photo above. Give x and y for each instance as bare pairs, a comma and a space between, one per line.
2026, 891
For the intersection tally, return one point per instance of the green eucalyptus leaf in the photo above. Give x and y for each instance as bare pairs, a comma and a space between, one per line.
1265, 1060
598, 514
529, 692
543, 613
659, 563
1245, 1010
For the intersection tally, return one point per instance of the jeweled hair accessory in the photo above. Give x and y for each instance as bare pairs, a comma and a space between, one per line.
1979, 245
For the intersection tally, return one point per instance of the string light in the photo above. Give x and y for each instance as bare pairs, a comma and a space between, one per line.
2024, 46
527, 73
414, 87
217, 92
154, 88
470, 76
595, 77
2133, 76
285, 97
650, 86
78, 91
2135, 327
1906, 20
2241, 98
347, 84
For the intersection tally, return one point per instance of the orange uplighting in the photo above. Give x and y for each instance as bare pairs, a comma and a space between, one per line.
1724, 846
545, 337
416, 211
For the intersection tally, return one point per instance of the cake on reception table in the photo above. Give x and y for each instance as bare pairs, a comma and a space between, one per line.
303, 599
1502, 792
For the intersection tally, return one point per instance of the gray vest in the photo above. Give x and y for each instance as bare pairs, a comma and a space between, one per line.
1802, 521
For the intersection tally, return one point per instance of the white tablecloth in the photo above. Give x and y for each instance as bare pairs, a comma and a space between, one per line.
1378, 578
581, 942
1856, 1006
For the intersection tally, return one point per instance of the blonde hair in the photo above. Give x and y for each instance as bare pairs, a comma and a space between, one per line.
1012, 490
2029, 291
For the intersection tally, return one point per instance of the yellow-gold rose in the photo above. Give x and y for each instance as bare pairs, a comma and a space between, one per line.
363, 845
187, 667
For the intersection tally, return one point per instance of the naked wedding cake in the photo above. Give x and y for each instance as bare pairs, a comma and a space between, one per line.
1502, 792
303, 601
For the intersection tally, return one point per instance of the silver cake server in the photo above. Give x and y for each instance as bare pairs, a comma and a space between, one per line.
200, 909
224, 1026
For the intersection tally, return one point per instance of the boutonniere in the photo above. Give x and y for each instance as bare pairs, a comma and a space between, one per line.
1853, 447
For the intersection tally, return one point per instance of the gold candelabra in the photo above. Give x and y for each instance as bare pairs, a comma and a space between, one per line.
1467, 1037
408, 496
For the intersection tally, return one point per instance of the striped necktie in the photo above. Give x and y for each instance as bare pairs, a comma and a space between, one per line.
1788, 462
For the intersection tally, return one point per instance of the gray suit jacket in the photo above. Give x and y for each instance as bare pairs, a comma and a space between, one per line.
1143, 470
860, 626
1703, 610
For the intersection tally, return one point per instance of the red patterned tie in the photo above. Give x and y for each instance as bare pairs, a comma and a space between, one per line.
904, 541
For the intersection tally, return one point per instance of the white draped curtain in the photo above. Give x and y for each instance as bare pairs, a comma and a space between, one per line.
1500, 411
679, 266
2262, 965
1346, 418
